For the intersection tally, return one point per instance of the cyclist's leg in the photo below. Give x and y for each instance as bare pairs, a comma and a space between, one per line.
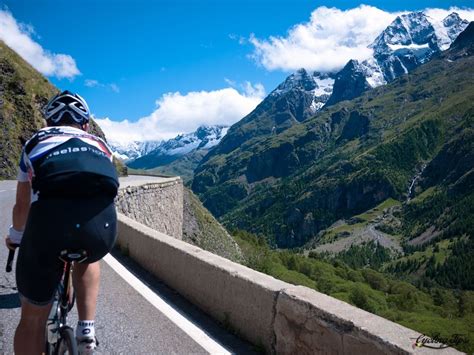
29, 335
38, 272
86, 279
97, 236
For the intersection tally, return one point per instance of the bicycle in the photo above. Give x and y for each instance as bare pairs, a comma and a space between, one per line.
60, 338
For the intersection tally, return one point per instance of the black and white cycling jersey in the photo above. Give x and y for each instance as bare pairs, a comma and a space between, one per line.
67, 161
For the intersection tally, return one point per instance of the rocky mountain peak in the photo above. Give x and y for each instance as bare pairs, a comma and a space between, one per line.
406, 30
204, 132
300, 80
454, 25
464, 43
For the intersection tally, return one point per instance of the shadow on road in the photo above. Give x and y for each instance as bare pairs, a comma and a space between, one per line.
9, 301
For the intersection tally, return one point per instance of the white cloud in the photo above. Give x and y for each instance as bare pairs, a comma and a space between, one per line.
230, 82
114, 87
240, 39
331, 38
177, 113
18, 36
91, 83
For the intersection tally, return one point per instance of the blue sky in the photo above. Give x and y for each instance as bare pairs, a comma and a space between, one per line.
129, 58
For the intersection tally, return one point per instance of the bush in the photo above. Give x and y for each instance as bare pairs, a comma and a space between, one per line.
374, 279
360, 299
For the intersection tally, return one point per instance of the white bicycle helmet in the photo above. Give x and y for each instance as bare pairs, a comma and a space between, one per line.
67, 102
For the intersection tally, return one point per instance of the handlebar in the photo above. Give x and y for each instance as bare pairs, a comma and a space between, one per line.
11, 255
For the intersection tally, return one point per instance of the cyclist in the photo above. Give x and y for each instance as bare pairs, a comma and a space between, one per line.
74, 182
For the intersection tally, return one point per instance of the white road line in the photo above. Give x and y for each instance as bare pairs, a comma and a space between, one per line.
197, 334
3, 190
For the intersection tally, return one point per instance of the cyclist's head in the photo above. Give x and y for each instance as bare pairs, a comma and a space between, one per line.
67, 108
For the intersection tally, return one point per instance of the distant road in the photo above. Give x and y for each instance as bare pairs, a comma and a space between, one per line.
127, 323
136, 180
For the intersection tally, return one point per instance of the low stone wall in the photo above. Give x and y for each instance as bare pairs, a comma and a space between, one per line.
267, 312
158, 205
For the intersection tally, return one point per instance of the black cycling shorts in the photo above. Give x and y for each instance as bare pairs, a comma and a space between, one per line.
55, 224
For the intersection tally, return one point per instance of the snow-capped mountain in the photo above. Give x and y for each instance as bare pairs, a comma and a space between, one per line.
204, 138
132, 150
410, 40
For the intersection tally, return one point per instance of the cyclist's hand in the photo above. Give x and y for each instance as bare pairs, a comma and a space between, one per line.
10, 244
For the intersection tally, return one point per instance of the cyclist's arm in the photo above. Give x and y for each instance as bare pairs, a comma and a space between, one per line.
22, 205
20, 214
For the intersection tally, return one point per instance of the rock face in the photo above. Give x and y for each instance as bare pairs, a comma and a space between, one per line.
203, 230
350, 83
464, 43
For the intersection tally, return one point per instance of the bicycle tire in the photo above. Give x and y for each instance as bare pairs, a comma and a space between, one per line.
50, 349
67, 342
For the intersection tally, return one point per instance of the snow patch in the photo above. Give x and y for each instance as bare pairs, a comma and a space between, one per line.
373, 73
325, 86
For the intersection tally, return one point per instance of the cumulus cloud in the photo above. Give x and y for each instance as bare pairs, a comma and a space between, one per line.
331, 38
18, 36
176, 113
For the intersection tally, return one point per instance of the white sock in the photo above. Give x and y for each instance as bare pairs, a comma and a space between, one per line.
85, 329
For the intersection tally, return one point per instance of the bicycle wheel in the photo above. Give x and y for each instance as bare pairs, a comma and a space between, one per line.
67, 342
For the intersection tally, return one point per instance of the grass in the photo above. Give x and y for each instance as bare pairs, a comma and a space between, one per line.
378, 210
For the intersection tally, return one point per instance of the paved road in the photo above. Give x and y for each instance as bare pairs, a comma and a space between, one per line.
126, 322
134, 180
365, 234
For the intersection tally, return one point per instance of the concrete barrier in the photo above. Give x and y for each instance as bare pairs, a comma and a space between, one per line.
278, 316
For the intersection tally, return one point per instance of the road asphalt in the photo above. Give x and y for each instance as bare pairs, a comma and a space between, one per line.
126, 323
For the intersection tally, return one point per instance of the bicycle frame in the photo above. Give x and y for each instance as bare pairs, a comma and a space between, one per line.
63, 303
57, 329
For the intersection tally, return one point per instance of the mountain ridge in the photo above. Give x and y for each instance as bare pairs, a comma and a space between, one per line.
165, 152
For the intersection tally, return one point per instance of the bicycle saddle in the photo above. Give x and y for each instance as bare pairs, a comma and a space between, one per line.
68, 256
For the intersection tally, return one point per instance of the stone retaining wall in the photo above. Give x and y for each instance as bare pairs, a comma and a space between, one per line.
278, 316
158, 205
